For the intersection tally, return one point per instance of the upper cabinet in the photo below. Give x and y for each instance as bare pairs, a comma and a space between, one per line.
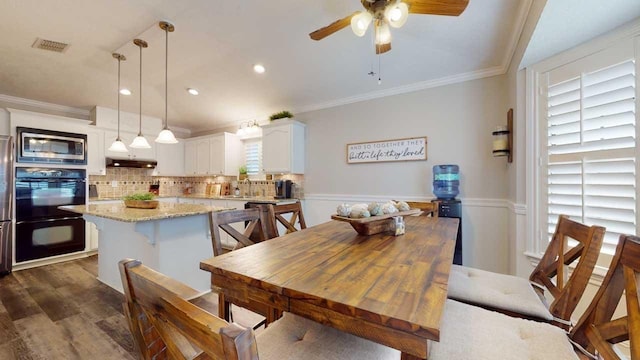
202, 156
190, 153
170, 159
218, 154
283, 147
226, 154
95, 152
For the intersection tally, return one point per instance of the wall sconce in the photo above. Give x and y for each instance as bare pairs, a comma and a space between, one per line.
249, 129
503, 139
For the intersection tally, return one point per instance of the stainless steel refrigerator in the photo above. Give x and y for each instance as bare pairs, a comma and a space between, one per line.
6, 200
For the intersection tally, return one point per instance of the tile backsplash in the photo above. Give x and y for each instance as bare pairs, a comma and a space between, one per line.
119, 182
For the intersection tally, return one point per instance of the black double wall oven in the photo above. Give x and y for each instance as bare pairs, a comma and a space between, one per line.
43, 230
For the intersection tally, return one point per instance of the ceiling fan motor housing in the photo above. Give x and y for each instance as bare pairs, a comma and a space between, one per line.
376, 7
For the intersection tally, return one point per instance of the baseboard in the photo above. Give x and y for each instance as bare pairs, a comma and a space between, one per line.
52, 260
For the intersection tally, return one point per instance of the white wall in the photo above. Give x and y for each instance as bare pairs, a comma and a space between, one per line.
457, 119
4, 122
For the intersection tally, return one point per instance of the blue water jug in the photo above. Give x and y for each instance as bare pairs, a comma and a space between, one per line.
446, 180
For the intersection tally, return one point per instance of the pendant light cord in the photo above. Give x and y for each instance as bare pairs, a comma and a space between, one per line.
119, 61
166, 79
140, 122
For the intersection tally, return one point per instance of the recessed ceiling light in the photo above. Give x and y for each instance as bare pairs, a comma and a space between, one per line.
193, 91
259, 68
125, 91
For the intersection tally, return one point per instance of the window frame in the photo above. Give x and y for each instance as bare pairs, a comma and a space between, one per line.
596, 54
260, 175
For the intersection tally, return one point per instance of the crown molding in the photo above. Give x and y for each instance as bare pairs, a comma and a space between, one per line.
44, 105
521, 20
447, 80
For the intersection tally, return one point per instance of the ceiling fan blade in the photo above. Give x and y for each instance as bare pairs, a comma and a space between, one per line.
437, 7
333, 27
381, 49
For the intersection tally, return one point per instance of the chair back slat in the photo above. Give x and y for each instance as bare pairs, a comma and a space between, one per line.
179, 329
597, 330
296, 217
223, 220
558, 256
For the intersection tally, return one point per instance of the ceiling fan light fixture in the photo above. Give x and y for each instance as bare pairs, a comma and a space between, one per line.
397, 14
383, 33
360, 22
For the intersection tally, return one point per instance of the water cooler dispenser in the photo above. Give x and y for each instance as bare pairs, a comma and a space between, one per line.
446, 180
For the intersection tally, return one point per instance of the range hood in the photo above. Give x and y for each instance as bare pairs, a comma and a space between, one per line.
128, 163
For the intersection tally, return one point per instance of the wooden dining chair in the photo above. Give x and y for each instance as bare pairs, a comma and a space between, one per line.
470, 332
255, 224
428, 208
294, 212
515, 296
165, 325
224, 219
598, 331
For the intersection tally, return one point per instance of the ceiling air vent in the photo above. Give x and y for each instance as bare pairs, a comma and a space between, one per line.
50, 45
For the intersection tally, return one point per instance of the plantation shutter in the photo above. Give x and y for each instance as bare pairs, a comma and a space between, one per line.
591, 149
253, 156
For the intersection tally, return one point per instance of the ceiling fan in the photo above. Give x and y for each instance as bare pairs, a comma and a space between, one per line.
385, 13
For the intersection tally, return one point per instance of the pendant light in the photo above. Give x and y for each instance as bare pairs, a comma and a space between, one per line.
166, 136
140, 142
118, 145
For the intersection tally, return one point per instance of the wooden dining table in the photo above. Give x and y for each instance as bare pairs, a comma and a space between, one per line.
385, 288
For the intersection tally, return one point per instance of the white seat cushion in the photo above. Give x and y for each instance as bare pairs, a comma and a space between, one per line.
496, 290
469, 332
296, 338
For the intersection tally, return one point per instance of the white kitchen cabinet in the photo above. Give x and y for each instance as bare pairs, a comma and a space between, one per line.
226, 154
190, 153
203, 156
171, 159
283, 147
95, 152
196, 157
92, 235
127, 138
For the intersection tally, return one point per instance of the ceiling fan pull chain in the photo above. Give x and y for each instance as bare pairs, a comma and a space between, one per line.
379, 70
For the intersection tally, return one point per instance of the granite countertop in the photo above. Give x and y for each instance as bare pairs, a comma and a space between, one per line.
253, 199
121, 213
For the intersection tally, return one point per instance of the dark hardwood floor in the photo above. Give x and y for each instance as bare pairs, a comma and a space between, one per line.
61, 311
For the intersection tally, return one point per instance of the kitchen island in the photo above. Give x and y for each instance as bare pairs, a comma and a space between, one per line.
171, 239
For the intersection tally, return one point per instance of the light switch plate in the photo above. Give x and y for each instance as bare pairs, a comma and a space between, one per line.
114, 183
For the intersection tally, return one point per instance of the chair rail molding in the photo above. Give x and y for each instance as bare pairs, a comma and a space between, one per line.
350, 198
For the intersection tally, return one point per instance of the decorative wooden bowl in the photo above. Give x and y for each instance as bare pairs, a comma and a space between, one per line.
141, 204
375, 224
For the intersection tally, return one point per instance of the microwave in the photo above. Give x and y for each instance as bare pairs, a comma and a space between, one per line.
51, 147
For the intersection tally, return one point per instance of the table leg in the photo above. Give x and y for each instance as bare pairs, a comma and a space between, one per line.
224, 307
273, 314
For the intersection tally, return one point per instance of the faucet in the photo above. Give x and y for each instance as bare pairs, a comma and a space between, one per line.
247, 181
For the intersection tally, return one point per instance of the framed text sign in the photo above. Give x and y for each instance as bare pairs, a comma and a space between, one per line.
388, 150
